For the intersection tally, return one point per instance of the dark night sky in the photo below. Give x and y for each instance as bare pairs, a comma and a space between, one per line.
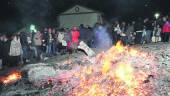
14, 12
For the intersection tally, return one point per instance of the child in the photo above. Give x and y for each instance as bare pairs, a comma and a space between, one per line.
157, 33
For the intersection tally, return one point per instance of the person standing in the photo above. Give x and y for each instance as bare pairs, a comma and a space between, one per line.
44, 39
75, 38
157, 34
6, 48
162, 23
129, 33
149, 29
33, 51
83, 32
66, 40
138, 27
54, 42
38, 43
60, 39
123, 34
116, 32
49, 43
67, 37
25, 46
166, 32
15, 51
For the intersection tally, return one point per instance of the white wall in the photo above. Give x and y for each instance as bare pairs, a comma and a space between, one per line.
69, 21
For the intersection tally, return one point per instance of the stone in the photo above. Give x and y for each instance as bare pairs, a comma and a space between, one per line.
29, 66
37, 74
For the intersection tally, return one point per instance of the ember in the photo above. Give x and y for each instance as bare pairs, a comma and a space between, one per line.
11, 78
118, 72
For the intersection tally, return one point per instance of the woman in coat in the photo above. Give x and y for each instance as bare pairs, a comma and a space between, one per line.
75, 38
15, 51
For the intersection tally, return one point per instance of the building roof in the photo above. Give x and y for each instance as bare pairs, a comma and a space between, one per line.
77, 9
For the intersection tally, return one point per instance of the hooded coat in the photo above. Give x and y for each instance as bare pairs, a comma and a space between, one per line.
75, 36
166, 28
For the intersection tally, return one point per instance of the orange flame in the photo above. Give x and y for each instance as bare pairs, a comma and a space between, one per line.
12, 77
114, 74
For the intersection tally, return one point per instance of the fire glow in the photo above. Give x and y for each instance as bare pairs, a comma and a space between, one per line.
121, 71
12, 77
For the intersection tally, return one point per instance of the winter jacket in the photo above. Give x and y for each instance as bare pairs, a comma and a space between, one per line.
166, 28
50, 39
83, 35
75, 36
148, 25
45, 38
138, 26
23, 38
60, 37
67, 36
38, 39
5, 52
15, 48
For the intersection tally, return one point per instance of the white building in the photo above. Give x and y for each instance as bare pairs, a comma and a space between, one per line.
79, 15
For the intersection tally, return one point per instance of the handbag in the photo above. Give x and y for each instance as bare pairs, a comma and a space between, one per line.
153, 39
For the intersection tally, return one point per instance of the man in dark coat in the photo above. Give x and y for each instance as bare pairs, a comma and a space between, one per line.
25, 46
138, 31
83, 33
5, 53
149, 29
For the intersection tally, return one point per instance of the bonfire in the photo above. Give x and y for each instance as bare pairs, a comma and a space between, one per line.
120, 71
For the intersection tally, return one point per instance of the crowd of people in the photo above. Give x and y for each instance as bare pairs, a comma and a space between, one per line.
23, 47
142, 31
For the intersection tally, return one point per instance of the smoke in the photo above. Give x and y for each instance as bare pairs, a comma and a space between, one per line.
33, 11
103, 40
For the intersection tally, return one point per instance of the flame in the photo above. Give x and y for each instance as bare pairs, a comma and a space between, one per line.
125, 73
119, 46
117, 76
12, 77
115, 73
